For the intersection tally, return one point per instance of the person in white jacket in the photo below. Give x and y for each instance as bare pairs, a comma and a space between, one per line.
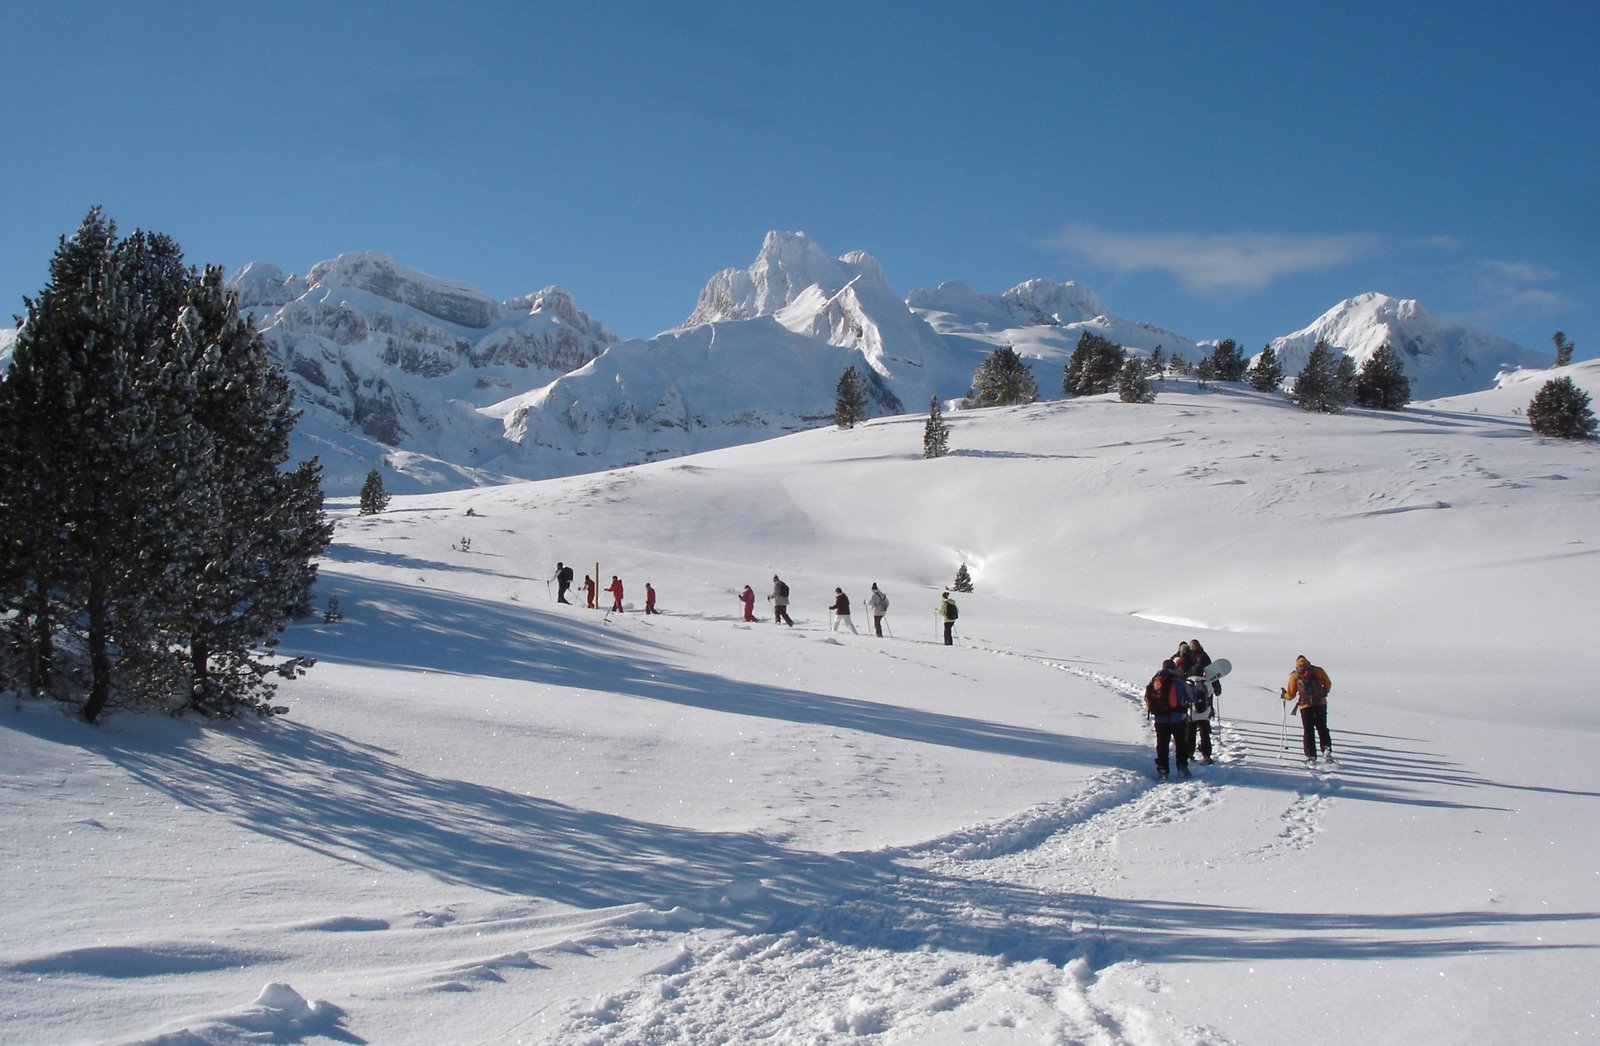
878, 604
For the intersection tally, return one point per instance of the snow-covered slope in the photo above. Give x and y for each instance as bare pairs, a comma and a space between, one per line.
494, 818
1441, 358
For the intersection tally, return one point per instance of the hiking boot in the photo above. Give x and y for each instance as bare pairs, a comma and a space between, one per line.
1184, 770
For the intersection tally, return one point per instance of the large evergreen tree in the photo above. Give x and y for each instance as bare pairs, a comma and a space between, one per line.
1133, 382
935, 437
1319, 386
1002, 380
1226, 363
1382, 383
135, 467
1093, 367
850, 399
374, 499
1560, 409
1265, 374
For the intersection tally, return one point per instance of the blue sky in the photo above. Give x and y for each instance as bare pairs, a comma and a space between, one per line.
1223, 170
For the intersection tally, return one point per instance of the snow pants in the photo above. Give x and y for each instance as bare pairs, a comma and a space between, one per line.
1171, 735
1199, 733
1314, 721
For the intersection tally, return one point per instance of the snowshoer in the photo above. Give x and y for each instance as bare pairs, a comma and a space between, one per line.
780, 601
590, 593
946, 612
1203, 709
650, 599
841, 612
563, 580
615, 588
748, 598
878, 604
1308, 687
1166, 699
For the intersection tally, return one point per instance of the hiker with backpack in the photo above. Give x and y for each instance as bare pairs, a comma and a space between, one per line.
1166, 700
780, 602
563, 579
878, 604
947, 612
841, 612
1308, 687
1202, 709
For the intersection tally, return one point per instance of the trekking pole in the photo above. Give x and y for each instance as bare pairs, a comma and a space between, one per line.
1283, 737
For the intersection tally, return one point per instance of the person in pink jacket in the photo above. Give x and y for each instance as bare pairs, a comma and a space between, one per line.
748, 598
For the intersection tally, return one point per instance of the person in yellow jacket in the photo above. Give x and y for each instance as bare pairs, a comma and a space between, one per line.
1308, 688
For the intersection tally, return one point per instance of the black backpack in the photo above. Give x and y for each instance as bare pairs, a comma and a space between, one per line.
783, 590
1312, 690
1200, 697
566, 575
951, 611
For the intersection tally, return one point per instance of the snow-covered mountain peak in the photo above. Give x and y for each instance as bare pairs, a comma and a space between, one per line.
1441, 357
788, 264
1069, 302
378, 274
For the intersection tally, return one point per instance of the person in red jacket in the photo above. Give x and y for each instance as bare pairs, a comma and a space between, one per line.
615, 588
748, 598
649, 599
1308, 688
590, 593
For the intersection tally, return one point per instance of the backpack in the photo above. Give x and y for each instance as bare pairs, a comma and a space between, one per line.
1162, 695
1311, 689
950, 611
565, 575
783, 589
1200, 698
878, 601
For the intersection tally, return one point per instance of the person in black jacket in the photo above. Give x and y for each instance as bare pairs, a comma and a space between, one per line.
841, 612
563, 579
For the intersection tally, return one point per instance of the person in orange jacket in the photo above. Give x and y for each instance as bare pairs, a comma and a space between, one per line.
1308, 687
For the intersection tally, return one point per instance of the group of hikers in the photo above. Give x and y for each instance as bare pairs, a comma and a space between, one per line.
877, 602
591, 591
1181, 700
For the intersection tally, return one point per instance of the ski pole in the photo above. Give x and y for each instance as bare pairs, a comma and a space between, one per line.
1283, 737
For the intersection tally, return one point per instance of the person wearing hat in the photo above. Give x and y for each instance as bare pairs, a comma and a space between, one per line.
841, 612
1308, 687
780, 601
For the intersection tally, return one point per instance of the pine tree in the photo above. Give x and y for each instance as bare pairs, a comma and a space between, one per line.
1133, 383
935, 437
850, 400
1318, 386
1563, 349
1265, 375
1382, 383
1561, 410
963, 581
1226, 363
1344, 381
262, 527
1094, 366
1002, 380
374, 499
122, 489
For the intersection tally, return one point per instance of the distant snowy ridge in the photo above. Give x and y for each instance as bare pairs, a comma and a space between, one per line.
1441, 358
440, 386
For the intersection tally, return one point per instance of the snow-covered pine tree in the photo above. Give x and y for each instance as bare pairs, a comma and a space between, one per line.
1133, 382
1382, 383
1002, 380
252, 561
1265, 374
374, 499
935, 437
1093, 366
850, 399
1561, 410
1317, 386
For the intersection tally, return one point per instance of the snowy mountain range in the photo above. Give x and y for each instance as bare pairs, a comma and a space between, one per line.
441, 386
